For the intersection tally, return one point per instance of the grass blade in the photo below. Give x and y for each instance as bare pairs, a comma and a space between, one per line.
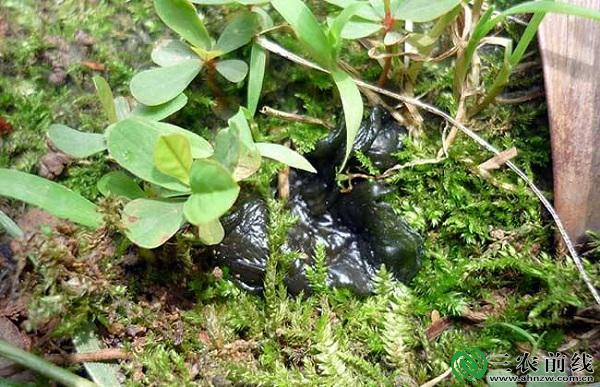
353, 108
258, 62
10, 226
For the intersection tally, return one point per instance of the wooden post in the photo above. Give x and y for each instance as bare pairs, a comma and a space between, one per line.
570, 49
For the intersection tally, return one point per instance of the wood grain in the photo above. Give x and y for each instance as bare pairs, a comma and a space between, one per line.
571, 57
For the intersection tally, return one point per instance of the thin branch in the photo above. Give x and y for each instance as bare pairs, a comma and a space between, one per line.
269, 111
90, 357
277, 49
437, 379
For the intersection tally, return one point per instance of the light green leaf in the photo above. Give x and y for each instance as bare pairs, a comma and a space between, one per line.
173, 156
265, 20
235, 149
340, 21
284, 155
367, 13
157, 86
50, 196
258, 61
170, 52
551, 6
150, 223
234, 70
360, 28
353, 108
308, 29
119, 183
222, 2
214, 191
122, 108
10, 226
106, 98
131, 144
75, 143
160, 112
238, 32
423, 10
211, 233
500, 374
181, 17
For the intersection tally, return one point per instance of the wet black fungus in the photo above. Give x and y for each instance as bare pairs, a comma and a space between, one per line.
358, 229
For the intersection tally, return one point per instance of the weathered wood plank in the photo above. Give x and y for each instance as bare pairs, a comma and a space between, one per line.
571, 56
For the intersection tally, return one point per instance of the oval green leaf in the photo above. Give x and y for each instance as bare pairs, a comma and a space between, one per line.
131, 143
214, 191
107, 100
160, 85
173, 156
150, 223
122, 108
50, 196
120, 184
211, 233
75, 143
234, 70
423, 10
170, 52
181, 16
285, 155
160, 112
237, 33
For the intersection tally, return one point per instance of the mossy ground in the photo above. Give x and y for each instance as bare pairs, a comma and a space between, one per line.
489, 254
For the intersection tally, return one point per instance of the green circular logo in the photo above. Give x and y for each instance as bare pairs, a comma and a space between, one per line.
469, 364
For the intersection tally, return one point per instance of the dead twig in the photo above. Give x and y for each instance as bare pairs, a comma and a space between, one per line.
277, 49
90, 357
438, 379
269, 111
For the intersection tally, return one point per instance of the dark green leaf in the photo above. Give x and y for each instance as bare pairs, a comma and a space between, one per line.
160, 85
213, 192
160, 112
181, 17
150, 223
50, 196
238, 32
234, 70
76, 143
119, 183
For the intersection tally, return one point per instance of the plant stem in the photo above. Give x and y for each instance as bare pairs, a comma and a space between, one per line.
41, 366
211, 80
388, 24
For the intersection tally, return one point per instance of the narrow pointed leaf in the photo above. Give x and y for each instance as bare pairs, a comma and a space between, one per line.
150, 223
173, 156
181, 16
353, 108
285, 155
11, 228
75, 143
50, 196
119, 183
106, 98
160, 112
340, 21
238, 32
211, 233
160, 85
258, 61
214, 191
170, 52
308, 30
131, 144
234, 70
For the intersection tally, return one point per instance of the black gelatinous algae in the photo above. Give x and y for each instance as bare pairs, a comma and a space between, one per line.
359, 230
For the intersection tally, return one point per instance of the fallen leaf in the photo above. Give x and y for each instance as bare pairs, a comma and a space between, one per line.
94, 65
5, 127
499, 160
